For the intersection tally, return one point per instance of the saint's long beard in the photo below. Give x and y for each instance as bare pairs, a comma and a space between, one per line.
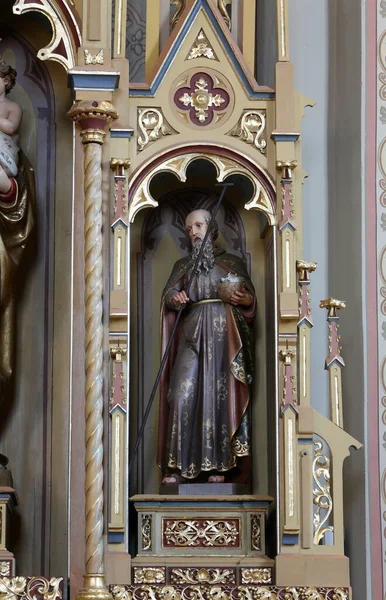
207, 259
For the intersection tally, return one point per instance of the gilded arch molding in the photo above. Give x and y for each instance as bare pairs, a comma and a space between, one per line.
64, 20
226, 163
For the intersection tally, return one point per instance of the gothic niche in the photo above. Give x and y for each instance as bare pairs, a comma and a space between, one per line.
158, 239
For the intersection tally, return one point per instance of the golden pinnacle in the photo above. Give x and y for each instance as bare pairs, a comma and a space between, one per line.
332, 305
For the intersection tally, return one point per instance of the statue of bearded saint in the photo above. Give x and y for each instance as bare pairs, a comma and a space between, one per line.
16, 216
204, 432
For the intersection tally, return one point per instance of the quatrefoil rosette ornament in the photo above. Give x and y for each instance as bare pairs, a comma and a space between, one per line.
204, 99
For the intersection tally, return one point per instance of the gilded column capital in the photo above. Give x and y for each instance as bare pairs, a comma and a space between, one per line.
92, 116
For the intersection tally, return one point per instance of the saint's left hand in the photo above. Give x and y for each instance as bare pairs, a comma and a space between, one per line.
243, 298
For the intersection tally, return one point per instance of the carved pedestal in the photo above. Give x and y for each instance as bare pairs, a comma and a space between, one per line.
7, 506
185, 540
206, 548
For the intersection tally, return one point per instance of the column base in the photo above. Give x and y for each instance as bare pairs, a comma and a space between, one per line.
94, 588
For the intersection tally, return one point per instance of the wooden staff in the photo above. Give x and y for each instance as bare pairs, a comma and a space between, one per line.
179, 312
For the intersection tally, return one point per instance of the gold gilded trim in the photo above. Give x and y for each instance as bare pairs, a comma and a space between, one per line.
146, 532
322, 493
152, 125
201, 48
31, 588
180, 5
225, 167
149, 575
60, 35
222, 6
332, 305
251, 129
226, 592
204, 533
195, 575
256, 576
93, 59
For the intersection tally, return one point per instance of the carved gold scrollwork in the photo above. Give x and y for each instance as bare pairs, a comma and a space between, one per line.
5, 568
256, 576
227, 592
152, 126
201, 532
121, 592
256, 532
251, 128
210, 576
180, 5
149, 575
322, 492
146, 532
222, 6
31, 588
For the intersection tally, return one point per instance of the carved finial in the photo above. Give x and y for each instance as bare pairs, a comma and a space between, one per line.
304, 269
287, 355
286, 167
332, 305
117, 353
118, 165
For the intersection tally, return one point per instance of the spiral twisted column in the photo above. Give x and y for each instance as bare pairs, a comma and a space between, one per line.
93, 117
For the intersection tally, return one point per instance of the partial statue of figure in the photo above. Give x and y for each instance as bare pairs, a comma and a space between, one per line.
205, 387
17, 195
6, 479
10, 119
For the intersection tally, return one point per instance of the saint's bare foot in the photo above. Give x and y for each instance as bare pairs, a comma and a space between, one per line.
216, 479
168, 479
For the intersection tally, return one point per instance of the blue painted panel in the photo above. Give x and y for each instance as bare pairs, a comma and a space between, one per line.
290, 539
116, 537
121, 133
285, 137
93, 81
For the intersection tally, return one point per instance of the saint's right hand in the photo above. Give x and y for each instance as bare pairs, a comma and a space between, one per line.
179, 299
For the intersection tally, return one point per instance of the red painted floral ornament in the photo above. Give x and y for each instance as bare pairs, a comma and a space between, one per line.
204, 100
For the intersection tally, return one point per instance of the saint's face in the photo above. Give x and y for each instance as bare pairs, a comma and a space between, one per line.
196, 225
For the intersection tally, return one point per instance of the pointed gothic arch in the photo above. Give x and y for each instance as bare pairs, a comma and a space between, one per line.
226, 161
65, 25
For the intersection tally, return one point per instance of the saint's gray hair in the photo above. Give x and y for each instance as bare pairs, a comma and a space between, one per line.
214, 228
